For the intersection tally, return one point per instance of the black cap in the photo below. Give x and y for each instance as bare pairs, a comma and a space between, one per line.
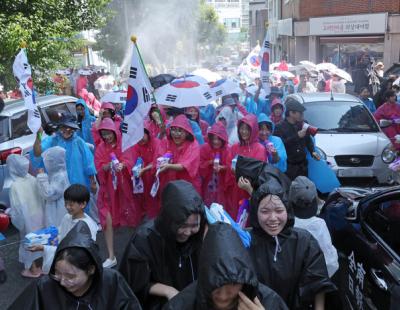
69, 120
293, 105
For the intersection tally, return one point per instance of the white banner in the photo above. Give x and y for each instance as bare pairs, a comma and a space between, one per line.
138, 102
22, 73
351, 24
265, 55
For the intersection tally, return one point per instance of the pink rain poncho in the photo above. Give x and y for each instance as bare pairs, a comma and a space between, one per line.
389, 111
93, 103
117, 121
145, 203
152, 124
81, 83
202, 124
186, 154
118, 202
224, 179
83, 93
252, 149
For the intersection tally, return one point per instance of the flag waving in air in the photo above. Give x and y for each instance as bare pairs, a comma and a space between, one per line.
138, 101
265, 59
22, 73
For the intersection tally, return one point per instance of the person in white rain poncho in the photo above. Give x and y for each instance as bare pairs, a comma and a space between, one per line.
227, 118
26, 209
53, 184
304, 199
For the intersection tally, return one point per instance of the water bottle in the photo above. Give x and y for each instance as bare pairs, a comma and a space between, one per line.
234, 161
165, 159
138, 187
217, 159
114, 164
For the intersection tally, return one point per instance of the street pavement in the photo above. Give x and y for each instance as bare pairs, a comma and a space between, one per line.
15, 283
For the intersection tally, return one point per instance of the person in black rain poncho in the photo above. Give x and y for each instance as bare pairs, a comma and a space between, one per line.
77, 280
227, 279
162, 257
287, 259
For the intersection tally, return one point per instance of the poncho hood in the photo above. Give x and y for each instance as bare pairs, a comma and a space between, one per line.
219, 130
182, 122
18, 166
54, 159
251, 121
224, 260
179, 200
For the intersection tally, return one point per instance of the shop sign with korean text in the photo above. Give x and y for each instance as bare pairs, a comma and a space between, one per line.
349, 25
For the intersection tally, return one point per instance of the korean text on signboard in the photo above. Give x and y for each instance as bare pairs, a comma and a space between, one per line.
352, 24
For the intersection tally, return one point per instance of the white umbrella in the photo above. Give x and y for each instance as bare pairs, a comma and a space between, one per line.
183, 93
114, 97
224, 87
342, 74
307, 63
325, 66
274, 65
192, 77
252, 89
207, 74
85, 72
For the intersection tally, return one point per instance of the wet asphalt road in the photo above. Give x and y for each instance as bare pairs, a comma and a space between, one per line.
15, 283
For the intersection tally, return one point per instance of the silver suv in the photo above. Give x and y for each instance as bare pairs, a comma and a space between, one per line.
348, 137
15, 136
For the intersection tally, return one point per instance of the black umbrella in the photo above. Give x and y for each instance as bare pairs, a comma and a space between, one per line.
161, 79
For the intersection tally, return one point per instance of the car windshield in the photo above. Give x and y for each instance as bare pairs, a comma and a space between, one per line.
4, 129
340, 116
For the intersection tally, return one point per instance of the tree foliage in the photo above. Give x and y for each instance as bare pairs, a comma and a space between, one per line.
50, 29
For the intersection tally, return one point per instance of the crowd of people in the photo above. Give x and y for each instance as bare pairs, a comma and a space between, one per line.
250, 148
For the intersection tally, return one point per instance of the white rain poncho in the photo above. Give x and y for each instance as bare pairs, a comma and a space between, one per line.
26, 204
317, 227
231, 128
53, 185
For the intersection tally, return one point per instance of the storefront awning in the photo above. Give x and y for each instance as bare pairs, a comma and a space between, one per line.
369, 39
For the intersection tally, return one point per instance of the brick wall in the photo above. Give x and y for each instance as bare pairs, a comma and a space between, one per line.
316, 8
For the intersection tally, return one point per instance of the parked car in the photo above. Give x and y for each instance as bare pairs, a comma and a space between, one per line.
348, 137
365, 229
15, 136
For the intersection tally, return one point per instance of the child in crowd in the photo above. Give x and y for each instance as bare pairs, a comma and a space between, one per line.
76, 198
368, 102
26, 210
303, 198
53, 184
276, 111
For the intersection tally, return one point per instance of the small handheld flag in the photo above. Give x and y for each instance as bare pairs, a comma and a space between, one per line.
138, 102
22, 73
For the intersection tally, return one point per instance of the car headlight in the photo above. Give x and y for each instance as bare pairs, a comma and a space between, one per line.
388, 155
321, 153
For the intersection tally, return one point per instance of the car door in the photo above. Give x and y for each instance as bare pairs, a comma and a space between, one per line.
373, 262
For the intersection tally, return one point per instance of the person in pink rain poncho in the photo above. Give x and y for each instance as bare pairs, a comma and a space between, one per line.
81, 83
107, 111
194, 114
156, 122
115, 197
390, 110
185, 151
248, 146
93, 103
276, 111
215, 165
146, 149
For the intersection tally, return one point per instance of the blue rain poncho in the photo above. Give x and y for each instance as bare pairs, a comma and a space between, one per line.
278, 144
26, 205
53, 184
87, 121
207, 114
78, 157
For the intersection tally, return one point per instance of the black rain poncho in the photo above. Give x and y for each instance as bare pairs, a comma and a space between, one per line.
292, 263
223, 260
109, 290
154, 256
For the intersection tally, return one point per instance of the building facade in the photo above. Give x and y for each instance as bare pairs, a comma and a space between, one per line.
339, 31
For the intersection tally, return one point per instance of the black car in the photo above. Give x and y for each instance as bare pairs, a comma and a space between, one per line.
365, 229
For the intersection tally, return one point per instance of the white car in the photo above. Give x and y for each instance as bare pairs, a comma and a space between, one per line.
348, 137
15, 136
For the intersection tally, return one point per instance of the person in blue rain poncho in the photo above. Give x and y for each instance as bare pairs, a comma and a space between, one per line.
266, 128
85, 121
79, 158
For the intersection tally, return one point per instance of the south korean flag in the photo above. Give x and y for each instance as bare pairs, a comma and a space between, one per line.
22, 73
265, 54
138, 102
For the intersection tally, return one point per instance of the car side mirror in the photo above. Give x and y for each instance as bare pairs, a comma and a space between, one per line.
384, 123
